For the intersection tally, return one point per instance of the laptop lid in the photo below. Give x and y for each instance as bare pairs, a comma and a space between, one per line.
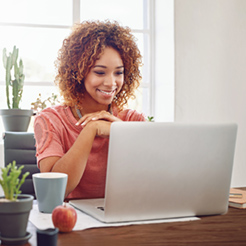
165, 170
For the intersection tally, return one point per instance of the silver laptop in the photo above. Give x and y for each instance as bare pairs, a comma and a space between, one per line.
165, 170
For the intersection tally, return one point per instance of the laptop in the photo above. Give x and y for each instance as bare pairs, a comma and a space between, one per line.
161, 170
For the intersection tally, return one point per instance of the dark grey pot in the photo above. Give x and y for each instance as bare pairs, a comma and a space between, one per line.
14, 216
16, 120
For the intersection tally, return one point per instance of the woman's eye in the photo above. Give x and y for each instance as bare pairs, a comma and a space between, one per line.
119, 72
99, 72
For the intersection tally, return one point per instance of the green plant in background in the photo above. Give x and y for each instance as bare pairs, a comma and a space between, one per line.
10, 181
40, 104
150, 118
10, 62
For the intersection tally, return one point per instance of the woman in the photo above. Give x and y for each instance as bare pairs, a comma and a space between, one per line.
98, 71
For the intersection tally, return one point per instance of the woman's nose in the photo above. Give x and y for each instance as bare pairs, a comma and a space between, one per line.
110, 80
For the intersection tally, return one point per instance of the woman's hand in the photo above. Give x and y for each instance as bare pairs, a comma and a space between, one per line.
100, 115
101, 120
102, 127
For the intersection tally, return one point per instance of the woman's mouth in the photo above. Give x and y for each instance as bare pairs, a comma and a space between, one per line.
108, 93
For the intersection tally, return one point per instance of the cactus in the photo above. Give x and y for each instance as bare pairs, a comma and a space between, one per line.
9, 63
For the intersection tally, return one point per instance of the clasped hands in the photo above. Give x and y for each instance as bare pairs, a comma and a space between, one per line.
101, 120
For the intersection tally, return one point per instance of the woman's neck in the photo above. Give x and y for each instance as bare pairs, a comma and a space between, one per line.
79, 110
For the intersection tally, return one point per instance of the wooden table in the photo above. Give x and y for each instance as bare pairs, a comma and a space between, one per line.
228, 229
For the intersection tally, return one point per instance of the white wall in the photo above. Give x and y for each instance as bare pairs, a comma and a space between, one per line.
210, 68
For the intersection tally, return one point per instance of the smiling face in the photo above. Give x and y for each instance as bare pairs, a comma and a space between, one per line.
104, 80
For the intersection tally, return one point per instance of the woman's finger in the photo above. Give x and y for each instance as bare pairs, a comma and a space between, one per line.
101, 115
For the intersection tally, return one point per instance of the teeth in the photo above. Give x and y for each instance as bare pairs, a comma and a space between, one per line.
106, 92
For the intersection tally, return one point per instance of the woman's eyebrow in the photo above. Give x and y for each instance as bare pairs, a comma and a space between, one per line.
101, 66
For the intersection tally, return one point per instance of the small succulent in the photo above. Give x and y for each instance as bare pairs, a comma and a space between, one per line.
10, 181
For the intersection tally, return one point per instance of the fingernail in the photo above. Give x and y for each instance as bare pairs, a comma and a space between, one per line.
77, 124
83, 123
93, 118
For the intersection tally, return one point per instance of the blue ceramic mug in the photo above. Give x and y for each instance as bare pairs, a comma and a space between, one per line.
50, 190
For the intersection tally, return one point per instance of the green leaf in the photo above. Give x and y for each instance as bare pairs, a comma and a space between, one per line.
10, 181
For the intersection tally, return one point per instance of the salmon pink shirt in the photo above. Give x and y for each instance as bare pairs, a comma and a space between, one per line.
55, 132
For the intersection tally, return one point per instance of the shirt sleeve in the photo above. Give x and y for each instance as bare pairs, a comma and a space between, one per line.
48, 142
131, 115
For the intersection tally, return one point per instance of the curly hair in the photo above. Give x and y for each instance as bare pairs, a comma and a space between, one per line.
83, 47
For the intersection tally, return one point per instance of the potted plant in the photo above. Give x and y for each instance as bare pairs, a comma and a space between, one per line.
40, 104
14, 206
14, 118
150, 118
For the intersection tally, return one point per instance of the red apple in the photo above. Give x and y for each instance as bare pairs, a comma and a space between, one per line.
64, 218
